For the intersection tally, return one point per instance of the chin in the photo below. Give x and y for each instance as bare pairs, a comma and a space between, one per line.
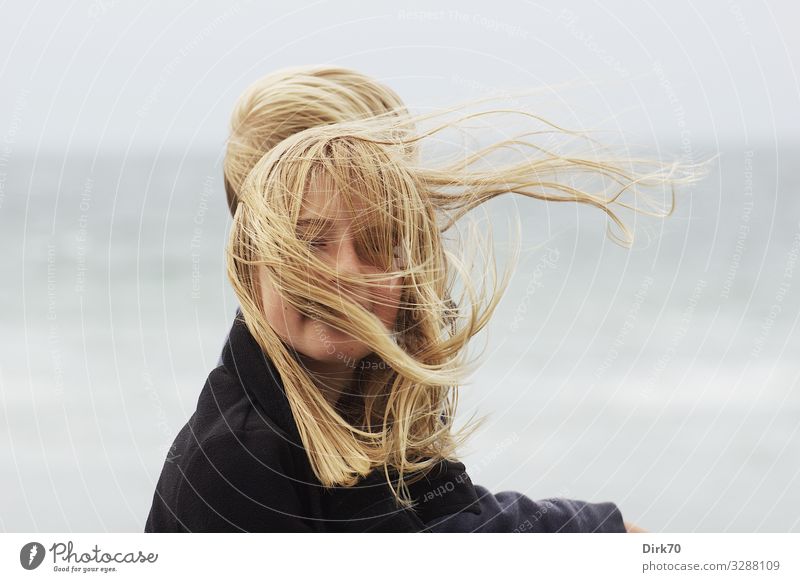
326, 344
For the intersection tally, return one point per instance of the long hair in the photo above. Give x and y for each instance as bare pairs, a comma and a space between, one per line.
400, 416
290, 100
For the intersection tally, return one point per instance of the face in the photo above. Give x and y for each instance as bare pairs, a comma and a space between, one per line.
337, 246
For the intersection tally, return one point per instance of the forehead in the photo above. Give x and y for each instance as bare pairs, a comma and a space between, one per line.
323, 203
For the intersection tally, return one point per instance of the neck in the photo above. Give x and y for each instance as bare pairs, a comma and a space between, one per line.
334, 380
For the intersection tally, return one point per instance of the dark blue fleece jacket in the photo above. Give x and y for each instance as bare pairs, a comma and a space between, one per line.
239, 465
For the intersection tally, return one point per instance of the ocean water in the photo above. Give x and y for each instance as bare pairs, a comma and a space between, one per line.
664, 378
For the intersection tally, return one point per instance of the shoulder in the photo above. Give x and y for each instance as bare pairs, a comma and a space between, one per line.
240, 450
240, 481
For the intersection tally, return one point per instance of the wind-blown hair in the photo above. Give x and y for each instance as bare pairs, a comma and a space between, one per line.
399, 416
290, 100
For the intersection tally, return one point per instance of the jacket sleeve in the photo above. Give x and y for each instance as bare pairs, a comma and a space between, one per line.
236, 482
510, 511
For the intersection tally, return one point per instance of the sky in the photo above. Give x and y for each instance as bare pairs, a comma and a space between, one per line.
110, 75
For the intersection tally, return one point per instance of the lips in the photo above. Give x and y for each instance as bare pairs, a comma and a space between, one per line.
315, 305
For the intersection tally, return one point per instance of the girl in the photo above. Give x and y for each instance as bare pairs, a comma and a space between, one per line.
333, 406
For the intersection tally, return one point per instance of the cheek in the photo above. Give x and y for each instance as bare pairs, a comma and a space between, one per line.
389, 302
282, 317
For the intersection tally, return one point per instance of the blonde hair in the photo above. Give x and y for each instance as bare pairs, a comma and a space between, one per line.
290, 100
401, 417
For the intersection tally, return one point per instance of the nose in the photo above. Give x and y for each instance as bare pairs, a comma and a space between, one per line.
347, 259
349, 263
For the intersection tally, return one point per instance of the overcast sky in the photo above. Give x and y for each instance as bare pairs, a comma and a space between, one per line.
112, 74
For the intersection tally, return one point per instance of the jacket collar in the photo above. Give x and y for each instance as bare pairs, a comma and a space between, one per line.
245, 360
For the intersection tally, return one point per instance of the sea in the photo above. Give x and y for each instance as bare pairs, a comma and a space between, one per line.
664, 377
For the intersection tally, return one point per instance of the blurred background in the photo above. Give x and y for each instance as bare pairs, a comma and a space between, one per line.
664, 378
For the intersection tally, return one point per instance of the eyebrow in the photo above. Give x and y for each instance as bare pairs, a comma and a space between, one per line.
328, 223
306, 225
320, 220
